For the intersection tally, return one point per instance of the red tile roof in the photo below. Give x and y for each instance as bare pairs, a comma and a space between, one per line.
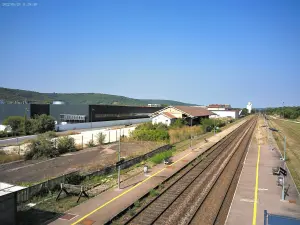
194, 111
218, 106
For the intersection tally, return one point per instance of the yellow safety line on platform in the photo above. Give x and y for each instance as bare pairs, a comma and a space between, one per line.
256, 189
130, 189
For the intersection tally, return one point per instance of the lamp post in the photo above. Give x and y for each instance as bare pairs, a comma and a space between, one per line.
25, 118
283, 110
191, 132
119, 158
92, 117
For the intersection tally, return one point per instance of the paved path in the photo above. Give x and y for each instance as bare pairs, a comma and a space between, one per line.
257, 189
104, 206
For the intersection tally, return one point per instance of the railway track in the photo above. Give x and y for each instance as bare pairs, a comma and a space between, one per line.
202, 189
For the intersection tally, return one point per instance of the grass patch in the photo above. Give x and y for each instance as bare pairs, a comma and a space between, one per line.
158, 158
292, 132
153, 193
5, 158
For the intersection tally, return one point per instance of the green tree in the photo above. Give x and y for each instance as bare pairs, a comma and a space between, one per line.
15, 122
244, 112
44, 123
207, 124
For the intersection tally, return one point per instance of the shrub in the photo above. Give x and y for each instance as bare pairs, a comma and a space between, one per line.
158, 158
100, 138
208, 124
15, 122
91, 144
42, 147
178, 123
44, 123
66, 144
150, 135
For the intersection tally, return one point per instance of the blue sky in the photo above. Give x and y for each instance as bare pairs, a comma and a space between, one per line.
193, 51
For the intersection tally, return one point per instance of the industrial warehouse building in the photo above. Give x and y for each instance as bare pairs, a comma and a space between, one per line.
77, 113
192, 115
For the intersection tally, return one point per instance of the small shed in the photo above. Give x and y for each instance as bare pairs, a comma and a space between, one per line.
164, 117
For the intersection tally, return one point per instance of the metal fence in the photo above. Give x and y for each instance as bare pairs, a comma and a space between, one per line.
27, 193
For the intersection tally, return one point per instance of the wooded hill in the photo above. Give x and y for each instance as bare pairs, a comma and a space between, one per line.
8, 95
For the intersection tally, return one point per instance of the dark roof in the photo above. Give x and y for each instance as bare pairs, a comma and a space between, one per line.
194, 111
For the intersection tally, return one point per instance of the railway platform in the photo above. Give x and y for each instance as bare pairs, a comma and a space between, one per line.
105, 206
257, 189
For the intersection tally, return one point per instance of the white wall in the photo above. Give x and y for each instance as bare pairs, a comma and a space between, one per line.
74, 126
222, 114
215, 109
161, 119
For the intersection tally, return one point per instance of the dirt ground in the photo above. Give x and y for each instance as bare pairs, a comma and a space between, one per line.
85, 160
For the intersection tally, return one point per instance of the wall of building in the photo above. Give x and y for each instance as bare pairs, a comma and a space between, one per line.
110, 112
8, 209
100, 124
215, 109
7, 110
222, 114
56, 110
161, 119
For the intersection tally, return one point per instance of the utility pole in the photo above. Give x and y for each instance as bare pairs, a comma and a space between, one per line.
92, 117
191, 132
119, 158
215, 126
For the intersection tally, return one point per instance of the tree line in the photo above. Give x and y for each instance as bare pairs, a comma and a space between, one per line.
19, 125
284, 112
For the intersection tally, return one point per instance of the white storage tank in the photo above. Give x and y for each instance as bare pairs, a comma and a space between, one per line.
58, 103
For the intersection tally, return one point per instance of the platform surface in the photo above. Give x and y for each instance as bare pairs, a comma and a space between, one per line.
257, 188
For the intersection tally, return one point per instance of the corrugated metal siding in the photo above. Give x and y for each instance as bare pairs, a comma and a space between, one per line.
7, 110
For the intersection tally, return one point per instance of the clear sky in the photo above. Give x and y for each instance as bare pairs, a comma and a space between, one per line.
193, 51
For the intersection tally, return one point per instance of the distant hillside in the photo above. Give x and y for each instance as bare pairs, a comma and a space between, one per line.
16, 95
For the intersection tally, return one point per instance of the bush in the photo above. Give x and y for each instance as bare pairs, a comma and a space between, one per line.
207, 124
42, 147
150, 135
16, 123
65, 144
158, 158
91, 144
178, 123
100, 138
44, 123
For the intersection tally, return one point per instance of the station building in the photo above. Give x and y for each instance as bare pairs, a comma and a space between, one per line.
192, 115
